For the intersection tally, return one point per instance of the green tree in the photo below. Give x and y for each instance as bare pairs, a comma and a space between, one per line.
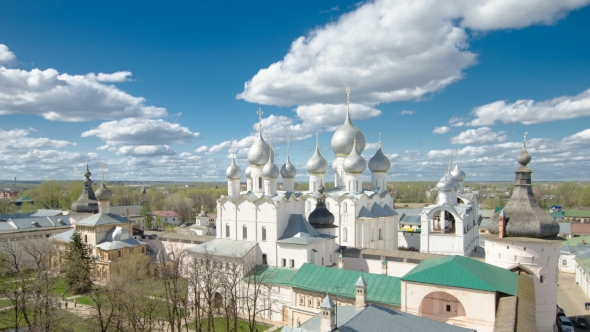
78, 265
146, 212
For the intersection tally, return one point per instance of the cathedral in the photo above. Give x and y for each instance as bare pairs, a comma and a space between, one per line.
296, 227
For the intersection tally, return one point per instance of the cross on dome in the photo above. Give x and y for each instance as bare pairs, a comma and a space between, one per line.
102, 167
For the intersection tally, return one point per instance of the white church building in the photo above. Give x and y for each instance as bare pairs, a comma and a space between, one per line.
296, 227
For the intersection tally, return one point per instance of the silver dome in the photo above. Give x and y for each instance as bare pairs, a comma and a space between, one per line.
104, 193
445, 183
316, 164
379, 162
248, 172
259, 152
270, 170
233, 172
354, 163
458, 173
343, 138
288, 170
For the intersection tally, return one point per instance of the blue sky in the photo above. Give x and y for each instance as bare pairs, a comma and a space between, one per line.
156, 91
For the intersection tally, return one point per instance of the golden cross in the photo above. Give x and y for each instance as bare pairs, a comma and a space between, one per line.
379, 140
232, 148
288, 146
317, 139
259, 112
525, 133
457, 155
348, 95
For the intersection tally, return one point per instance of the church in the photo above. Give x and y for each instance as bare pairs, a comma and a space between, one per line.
297, 227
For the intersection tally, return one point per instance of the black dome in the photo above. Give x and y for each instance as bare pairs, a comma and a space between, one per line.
321, 216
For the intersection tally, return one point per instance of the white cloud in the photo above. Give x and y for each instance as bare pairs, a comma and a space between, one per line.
581, 139
6, 57
406, 112
530, 112
65, 97
441, 130
133, 131
146, 151
120, 76
481, 135
201, 149
391, 50
17, 140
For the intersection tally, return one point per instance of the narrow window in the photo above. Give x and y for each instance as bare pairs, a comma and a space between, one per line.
301, 300
291, 263
317, 303
264, 260
226, 230
309, 302
344, 208
448, 308
322, 260
245, 232
263, 233
259, 183
345, 234
119, 255
283, 262
380, 235
542, 279
86, 238
564, 262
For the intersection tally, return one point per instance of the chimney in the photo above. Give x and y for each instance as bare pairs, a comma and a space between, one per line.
328, 320
361, 293
340, 261
128, 217
583, 242
384, 266
502, 225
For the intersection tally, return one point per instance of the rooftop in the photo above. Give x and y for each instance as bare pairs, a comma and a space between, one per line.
100, 219
224, 248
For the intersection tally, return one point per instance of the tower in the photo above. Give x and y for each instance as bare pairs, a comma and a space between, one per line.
354, 165
459, 175
288, 172
316, 166
233, 174
258, 156
328, 319
270, 173
104, 194
379, 165
360, 293
85, 204
523, 238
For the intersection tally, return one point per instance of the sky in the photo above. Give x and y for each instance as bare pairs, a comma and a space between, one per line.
157, 91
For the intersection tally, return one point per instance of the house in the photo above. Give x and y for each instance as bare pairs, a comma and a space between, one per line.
169, 217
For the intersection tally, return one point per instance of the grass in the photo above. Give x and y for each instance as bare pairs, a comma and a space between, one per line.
85, 300
219, 325
5, 303
64, 321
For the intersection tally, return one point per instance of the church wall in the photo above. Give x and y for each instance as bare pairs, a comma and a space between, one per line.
567, 263
409, 240
479, 306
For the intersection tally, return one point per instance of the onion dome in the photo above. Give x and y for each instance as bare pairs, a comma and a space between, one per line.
259, 152
379, 162
270, 170
316, 164
288, 170
104, 193
458, 173
233, 172
445, 184
343, 138
522, 214
354, 163
87, 201
248, 172
321, 216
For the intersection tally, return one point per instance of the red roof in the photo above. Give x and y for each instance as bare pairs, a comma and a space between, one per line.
166, 213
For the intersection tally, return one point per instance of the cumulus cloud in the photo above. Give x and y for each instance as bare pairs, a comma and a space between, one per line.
406, 112
135, 131
145, 151
581, 139
201, 149
6, 57
481, 135
391, 50
441, 130
65, 97
120, 76
17, 140
528, 111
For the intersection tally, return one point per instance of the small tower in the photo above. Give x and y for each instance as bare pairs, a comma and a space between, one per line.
233, 174
104, 195
340, 261
86, 204
384, 266
249, 179
379, 165
361, 293
328, 320
316, 166
270, 173
288, 173
502, 224
354, 165
258, 156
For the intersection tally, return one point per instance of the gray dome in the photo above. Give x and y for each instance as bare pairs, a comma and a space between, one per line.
233, 172
524, 157
458, 173
354, 163
288, 170
445, 183
87, 200
316, 164
343, 138
379, 162
248, 172
270, 170
104, 193
259, 152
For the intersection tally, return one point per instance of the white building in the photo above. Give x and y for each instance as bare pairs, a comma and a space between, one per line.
450, 226
294, 227
524, 238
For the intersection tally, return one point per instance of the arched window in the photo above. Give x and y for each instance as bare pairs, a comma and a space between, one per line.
259, 183
263, 233
245, 232
226, 230
345, 234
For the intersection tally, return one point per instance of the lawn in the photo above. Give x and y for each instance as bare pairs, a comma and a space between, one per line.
65, 321
85, 300
219, 324
5, 303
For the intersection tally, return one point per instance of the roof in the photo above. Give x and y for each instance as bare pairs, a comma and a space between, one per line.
565, 228
34, 223
464, 272
584, 263
166, 213
100, 219
47, 213
381, 288
575, 241
224, 247
486, 213
391, 253
526, 309
558, 215
376, 318
577, 214
411, 219
64, 237
567, 249
299, 231
118, 238
273, 275
184, 237
379, 211
25, 199
121, 211
365, 213
409, 212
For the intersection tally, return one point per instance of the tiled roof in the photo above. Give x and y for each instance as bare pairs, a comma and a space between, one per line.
382, 288
464, 272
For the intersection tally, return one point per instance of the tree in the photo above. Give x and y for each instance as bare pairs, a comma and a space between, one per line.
181, 205
146, 212
78, 265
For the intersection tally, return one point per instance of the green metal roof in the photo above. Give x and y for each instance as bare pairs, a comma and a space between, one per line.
577, 213
381, 288
273, 275
25, 199
575, 241
558, 214
464, 272
498, 209
584, 263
